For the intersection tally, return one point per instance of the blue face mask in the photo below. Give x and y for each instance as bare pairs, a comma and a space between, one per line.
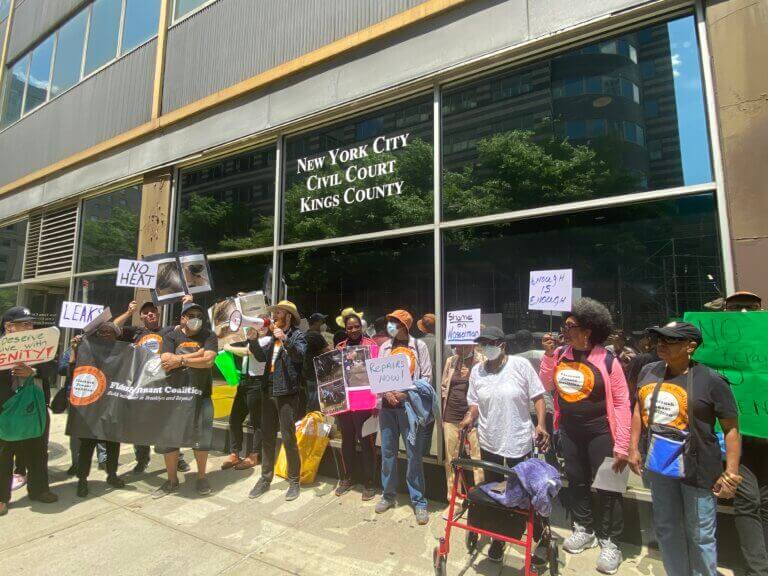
392, 329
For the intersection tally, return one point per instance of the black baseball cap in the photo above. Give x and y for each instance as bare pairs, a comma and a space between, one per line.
18, 314
189, 306
317, 317
490, 334
678, 331
147, 304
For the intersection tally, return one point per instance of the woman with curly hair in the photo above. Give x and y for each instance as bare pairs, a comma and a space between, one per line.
592, 415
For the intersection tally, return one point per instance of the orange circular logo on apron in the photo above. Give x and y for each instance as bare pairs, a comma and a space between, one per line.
151, 343
408, 353
671, 405
88, 385
574, 380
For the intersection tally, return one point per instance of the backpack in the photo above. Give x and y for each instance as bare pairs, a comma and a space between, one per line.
23, 415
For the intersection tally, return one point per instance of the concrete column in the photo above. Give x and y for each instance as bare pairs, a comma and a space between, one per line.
737, 31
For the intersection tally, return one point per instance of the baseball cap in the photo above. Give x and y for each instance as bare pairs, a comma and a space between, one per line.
189, 306
18, 314
490, 334
317, 317
678, 331
147, 304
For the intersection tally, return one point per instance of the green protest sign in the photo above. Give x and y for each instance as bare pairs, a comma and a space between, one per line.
736, 345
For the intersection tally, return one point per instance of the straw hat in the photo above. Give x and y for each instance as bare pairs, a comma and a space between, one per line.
289, 307
347, 312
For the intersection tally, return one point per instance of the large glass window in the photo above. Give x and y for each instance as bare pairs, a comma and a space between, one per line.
229, 204
103, 31
12, 240
13, 92
5, 6
184, 7
39, 75
109, 229
69, 54
101, 289
647, 262
141, 22
369, 173
8, 297
575, 127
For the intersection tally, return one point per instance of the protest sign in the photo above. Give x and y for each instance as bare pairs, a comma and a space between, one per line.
356, 378
121, 393
550, 290
462, 326
389, 374
179, 274
196, 273
78, 315
736, 345
331, 391
30, 347
136, 274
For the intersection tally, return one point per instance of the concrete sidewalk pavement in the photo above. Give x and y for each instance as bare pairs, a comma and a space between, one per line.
127, 532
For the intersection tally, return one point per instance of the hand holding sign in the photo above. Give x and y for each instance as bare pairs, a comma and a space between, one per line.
550, 290
389, 374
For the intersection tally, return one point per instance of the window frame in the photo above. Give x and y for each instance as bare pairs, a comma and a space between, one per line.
176, 19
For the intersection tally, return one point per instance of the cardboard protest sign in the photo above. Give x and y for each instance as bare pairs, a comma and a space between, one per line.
462, 326
331, 391
136, 274
736, 345
78, 315
30, 347
550, 290
389, 374
356, 378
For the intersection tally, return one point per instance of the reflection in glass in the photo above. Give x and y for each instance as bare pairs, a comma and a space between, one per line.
102, 34
370, 173
233, 275
619, 116
5, 6
69, 54
229, 204
39, 75
110, 229
141, 19
647, 262
13, 92
101, 290
184, 7
12, 240
8, 297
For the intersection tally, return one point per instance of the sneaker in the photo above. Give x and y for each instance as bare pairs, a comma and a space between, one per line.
182, 466
82, 488
72, 470
293, 491
260, 488
580, 540
610, 557
115, 482
166, 489
140, 468
422, 516
203, 486
19, 481
230, 462
383, 505
45, 497
369, 493
343, 487
496, 551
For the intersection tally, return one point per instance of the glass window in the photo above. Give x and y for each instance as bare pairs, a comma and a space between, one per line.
141, 22
5, 6
69, 54
183, 7
13, 91
338, 184
229, 204
509, 163
12, 241
109, 229
8, 297
101, 289
103, 31
647, 262
39, 75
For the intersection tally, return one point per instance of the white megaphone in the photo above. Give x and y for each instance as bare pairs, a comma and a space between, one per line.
237, 320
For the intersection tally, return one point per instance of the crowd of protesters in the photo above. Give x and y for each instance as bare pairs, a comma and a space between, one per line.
580, 396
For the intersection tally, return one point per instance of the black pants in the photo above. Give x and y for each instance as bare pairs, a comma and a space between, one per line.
351, 424
500, 460
583, 454
21, 464
247, 403
750, 507
85, 456
279, 412
32, 453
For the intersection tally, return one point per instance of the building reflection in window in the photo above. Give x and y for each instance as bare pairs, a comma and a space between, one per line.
12, 241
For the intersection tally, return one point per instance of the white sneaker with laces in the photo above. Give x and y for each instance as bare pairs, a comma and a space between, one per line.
580, 540
610, 557
19, 481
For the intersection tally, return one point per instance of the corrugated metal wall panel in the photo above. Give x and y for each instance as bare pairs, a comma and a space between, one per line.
232, 40
33, 18
115, 100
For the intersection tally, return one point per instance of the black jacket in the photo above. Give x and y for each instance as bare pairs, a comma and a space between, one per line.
46, 372
287, 376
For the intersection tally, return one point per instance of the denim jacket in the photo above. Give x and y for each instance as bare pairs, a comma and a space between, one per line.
287, 377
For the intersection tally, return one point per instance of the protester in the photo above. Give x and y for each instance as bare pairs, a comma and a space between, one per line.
351, 423
500, 389
66, 369
284, 357
593, 419
188, 354
619, 346
427, 326
32, 451
380, 331
680, 401
743, 302
316, 345
393, 418
317, 324
647, 355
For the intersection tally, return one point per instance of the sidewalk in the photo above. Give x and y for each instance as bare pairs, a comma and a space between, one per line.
127, 532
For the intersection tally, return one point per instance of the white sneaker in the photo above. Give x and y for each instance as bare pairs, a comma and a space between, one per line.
610, 557
580, 540
18, 481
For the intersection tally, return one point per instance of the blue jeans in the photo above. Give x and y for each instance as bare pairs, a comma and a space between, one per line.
393, 424
684, 518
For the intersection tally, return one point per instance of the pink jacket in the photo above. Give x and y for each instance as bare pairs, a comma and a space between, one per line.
616, 392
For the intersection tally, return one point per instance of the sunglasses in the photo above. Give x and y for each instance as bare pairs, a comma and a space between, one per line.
570, 326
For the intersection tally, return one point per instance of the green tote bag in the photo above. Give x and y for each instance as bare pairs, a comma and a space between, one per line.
23, 415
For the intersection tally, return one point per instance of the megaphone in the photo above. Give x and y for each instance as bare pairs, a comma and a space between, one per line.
237, 320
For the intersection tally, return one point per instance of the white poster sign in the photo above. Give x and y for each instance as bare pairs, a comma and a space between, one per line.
462, 326
77, 315
550, 290
137, 274
389, 374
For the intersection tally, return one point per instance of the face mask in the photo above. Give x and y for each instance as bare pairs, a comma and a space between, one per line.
195, 324
491, 352
392, 329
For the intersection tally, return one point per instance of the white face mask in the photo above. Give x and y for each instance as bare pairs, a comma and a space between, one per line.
194, 324
490, 351
392, 329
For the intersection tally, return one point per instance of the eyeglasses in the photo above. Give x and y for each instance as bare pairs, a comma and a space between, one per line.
570, 326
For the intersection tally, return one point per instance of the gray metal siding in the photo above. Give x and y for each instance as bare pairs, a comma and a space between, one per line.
232, 40
34, 18
113, 101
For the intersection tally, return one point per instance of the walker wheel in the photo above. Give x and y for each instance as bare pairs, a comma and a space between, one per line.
440, 563
471, 540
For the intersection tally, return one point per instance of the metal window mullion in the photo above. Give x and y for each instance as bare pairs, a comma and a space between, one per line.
53, 63
77, 240
26, 84
382, 234
278, 212
437, 194
85, 43
120, 30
